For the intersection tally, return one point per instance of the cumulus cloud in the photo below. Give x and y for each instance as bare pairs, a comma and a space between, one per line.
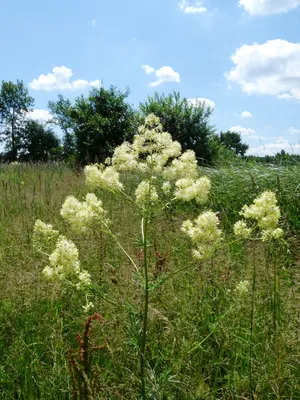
163, 74
94, 22
201, 100
59, 79
195, 8
273, 148
148, 69
293, 131
246, 114
272, 68
267, 7
241, 130
39, 115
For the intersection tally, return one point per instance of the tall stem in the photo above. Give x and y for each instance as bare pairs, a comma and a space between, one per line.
252, 323
276, 311
146, 304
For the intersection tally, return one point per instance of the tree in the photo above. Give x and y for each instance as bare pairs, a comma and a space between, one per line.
94, 125
102, 121
38, 143
187, 123
15, 102
233, 141
61, 111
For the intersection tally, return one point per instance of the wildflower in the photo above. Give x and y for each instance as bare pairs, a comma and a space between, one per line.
240, 229
242, 287
166, 187
264, 210
153, 146
48, 272
84, 278
204, 233
81, 215
88, 306
184, 166
64, 263
64, 259
124, 159
43, 234
100, 177
146, 193
275, 234
187, 189
266, 213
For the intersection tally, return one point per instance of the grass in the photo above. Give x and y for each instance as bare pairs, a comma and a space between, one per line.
205, 340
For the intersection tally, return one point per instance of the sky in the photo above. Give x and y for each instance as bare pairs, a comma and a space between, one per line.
241, 57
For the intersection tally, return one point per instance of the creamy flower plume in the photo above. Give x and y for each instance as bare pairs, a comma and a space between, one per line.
266, 214
82, 215
204, 233
241, 229
155, 155
44, 235
242, 288
97, 176
187, 189
64, 264
146, 193
183, 167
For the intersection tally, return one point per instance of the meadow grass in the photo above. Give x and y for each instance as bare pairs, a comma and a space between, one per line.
206, 340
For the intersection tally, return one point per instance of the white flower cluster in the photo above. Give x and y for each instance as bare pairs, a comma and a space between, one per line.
64, 262
146, 193
44, 234
187, 189
266, 213
81, 215
182, 167
242, 287
204, 233
154, 153
97, 176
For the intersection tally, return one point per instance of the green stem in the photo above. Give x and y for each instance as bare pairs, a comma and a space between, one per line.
252, 324
276, 310
146, 306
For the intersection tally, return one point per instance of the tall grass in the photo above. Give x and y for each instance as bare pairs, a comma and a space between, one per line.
206, 340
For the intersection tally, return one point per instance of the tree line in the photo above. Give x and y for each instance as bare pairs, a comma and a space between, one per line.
93, 125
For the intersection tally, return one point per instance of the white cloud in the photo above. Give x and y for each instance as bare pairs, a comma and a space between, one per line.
241, 130
208, 103
94, 22
163, 74
246, 114
96, 84
148, 69
195, 8
39, 115
272, 68
267, 7
273, 148
59, 79
293, 131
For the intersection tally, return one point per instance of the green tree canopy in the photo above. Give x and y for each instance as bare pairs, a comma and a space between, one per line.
61, 112
95, 124
186, 122
38, 143
233, 141
103, 121
15, 102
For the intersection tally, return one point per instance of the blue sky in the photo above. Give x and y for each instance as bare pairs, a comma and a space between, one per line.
242, 55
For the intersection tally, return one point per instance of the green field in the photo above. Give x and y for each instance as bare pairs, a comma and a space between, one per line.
205, 340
